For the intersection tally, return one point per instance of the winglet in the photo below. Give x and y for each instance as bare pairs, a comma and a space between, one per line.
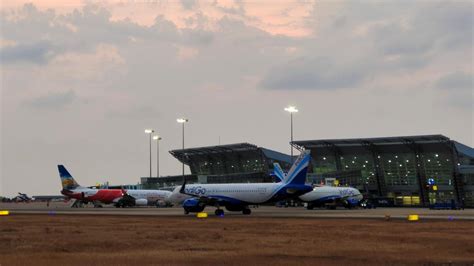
181, 190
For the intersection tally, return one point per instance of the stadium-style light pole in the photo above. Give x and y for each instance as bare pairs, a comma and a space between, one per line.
291, 109
157, 138
182, 121
149, 132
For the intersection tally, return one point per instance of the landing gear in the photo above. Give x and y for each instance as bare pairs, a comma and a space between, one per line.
310, 206
246, 211
186, 212
78, 204
121, 205
219, 212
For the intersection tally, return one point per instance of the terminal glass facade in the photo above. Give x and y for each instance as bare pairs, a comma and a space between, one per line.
231, 163
399, 169
417, 170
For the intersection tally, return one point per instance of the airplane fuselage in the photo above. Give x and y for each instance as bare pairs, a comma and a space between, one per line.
322, 194
108, 196
254, 193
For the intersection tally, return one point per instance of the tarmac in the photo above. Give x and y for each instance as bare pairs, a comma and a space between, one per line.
235, 239
63, 208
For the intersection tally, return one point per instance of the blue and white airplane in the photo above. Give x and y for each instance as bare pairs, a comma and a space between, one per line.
349, 197
237, 197
320, 195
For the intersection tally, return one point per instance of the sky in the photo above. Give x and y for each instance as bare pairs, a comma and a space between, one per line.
81, 80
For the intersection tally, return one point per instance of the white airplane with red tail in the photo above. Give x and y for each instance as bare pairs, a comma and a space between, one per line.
118, 197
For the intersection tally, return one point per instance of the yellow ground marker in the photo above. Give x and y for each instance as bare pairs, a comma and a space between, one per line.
4, 213
201, 215
413, 217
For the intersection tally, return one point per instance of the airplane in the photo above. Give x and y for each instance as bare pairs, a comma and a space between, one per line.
322, 195
237, 197
118, 197
22, 197
349, 197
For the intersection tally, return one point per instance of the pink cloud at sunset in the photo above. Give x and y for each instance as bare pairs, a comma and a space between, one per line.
274, 17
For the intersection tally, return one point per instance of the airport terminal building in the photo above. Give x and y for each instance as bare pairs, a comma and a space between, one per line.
404, 171
234, 163
413, 170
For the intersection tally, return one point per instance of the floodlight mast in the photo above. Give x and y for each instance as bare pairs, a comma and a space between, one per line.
182, 121
157, 138
291, 110
149, 132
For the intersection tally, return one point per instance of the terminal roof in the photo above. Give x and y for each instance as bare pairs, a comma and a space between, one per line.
238, 147
184, 155
464, 149
424, 139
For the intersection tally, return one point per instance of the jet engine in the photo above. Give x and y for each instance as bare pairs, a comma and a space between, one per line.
141, 202
193, 205
350, 203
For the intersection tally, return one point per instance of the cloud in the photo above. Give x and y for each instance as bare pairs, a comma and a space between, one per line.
7, 43
320, 73
230, 7
448, 24
186, 53
133, 112
456, 81
457, 90
56, 100
369, 42
37, 53
189, 4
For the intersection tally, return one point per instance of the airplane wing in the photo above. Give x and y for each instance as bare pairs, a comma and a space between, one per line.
49, 197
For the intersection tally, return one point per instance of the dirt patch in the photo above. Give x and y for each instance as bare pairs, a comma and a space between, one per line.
119, 240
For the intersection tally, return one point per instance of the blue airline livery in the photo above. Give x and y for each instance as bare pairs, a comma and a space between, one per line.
347, 196
237, 197
321, 195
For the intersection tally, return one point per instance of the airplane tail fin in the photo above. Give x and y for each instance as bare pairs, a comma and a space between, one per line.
67, 180
278, 172
299, 169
